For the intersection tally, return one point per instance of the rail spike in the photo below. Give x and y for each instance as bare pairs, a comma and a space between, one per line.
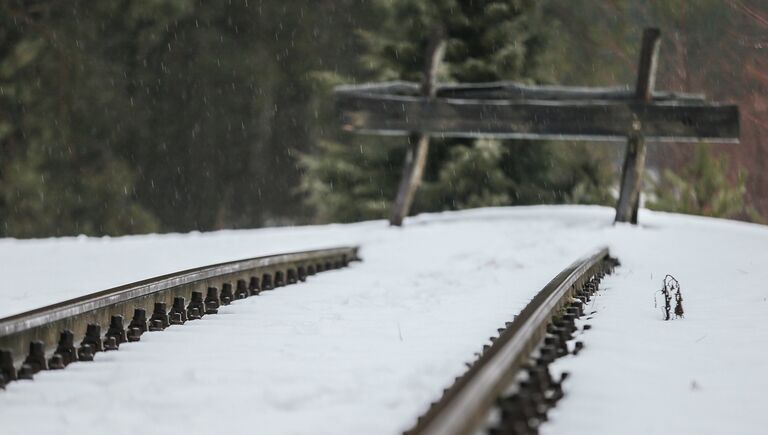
212, 301
227, 296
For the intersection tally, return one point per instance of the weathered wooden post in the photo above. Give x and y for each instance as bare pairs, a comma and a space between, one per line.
418, 143
634, 161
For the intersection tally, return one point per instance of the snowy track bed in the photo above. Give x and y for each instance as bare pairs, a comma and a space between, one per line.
364, 350
704, 374
48, 337
509, 389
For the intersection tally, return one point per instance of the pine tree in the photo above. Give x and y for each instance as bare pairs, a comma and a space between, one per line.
59, 174
488, 40
174, 115
702, 187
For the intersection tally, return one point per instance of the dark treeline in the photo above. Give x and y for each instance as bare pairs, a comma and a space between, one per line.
171, 115
126, 116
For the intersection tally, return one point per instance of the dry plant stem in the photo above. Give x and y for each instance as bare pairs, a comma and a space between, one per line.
671, 289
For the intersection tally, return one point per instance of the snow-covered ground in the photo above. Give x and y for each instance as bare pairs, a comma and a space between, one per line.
704, 374
365, 349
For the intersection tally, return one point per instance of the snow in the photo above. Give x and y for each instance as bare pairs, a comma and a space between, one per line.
705, 373
365, 349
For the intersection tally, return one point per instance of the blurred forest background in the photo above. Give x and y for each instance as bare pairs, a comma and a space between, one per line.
125, 116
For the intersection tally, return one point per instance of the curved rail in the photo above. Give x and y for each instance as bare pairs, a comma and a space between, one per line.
465, 406
38, 333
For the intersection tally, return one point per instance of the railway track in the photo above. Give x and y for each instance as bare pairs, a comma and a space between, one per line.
509, 388
55, 336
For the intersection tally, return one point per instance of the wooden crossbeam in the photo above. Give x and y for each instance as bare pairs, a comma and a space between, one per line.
507, 90
670, 119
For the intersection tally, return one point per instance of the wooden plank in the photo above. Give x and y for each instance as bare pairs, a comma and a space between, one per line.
416, 156
505, 90
670, 121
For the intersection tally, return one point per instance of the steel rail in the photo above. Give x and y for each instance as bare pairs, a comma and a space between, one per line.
261, 273
465, 406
